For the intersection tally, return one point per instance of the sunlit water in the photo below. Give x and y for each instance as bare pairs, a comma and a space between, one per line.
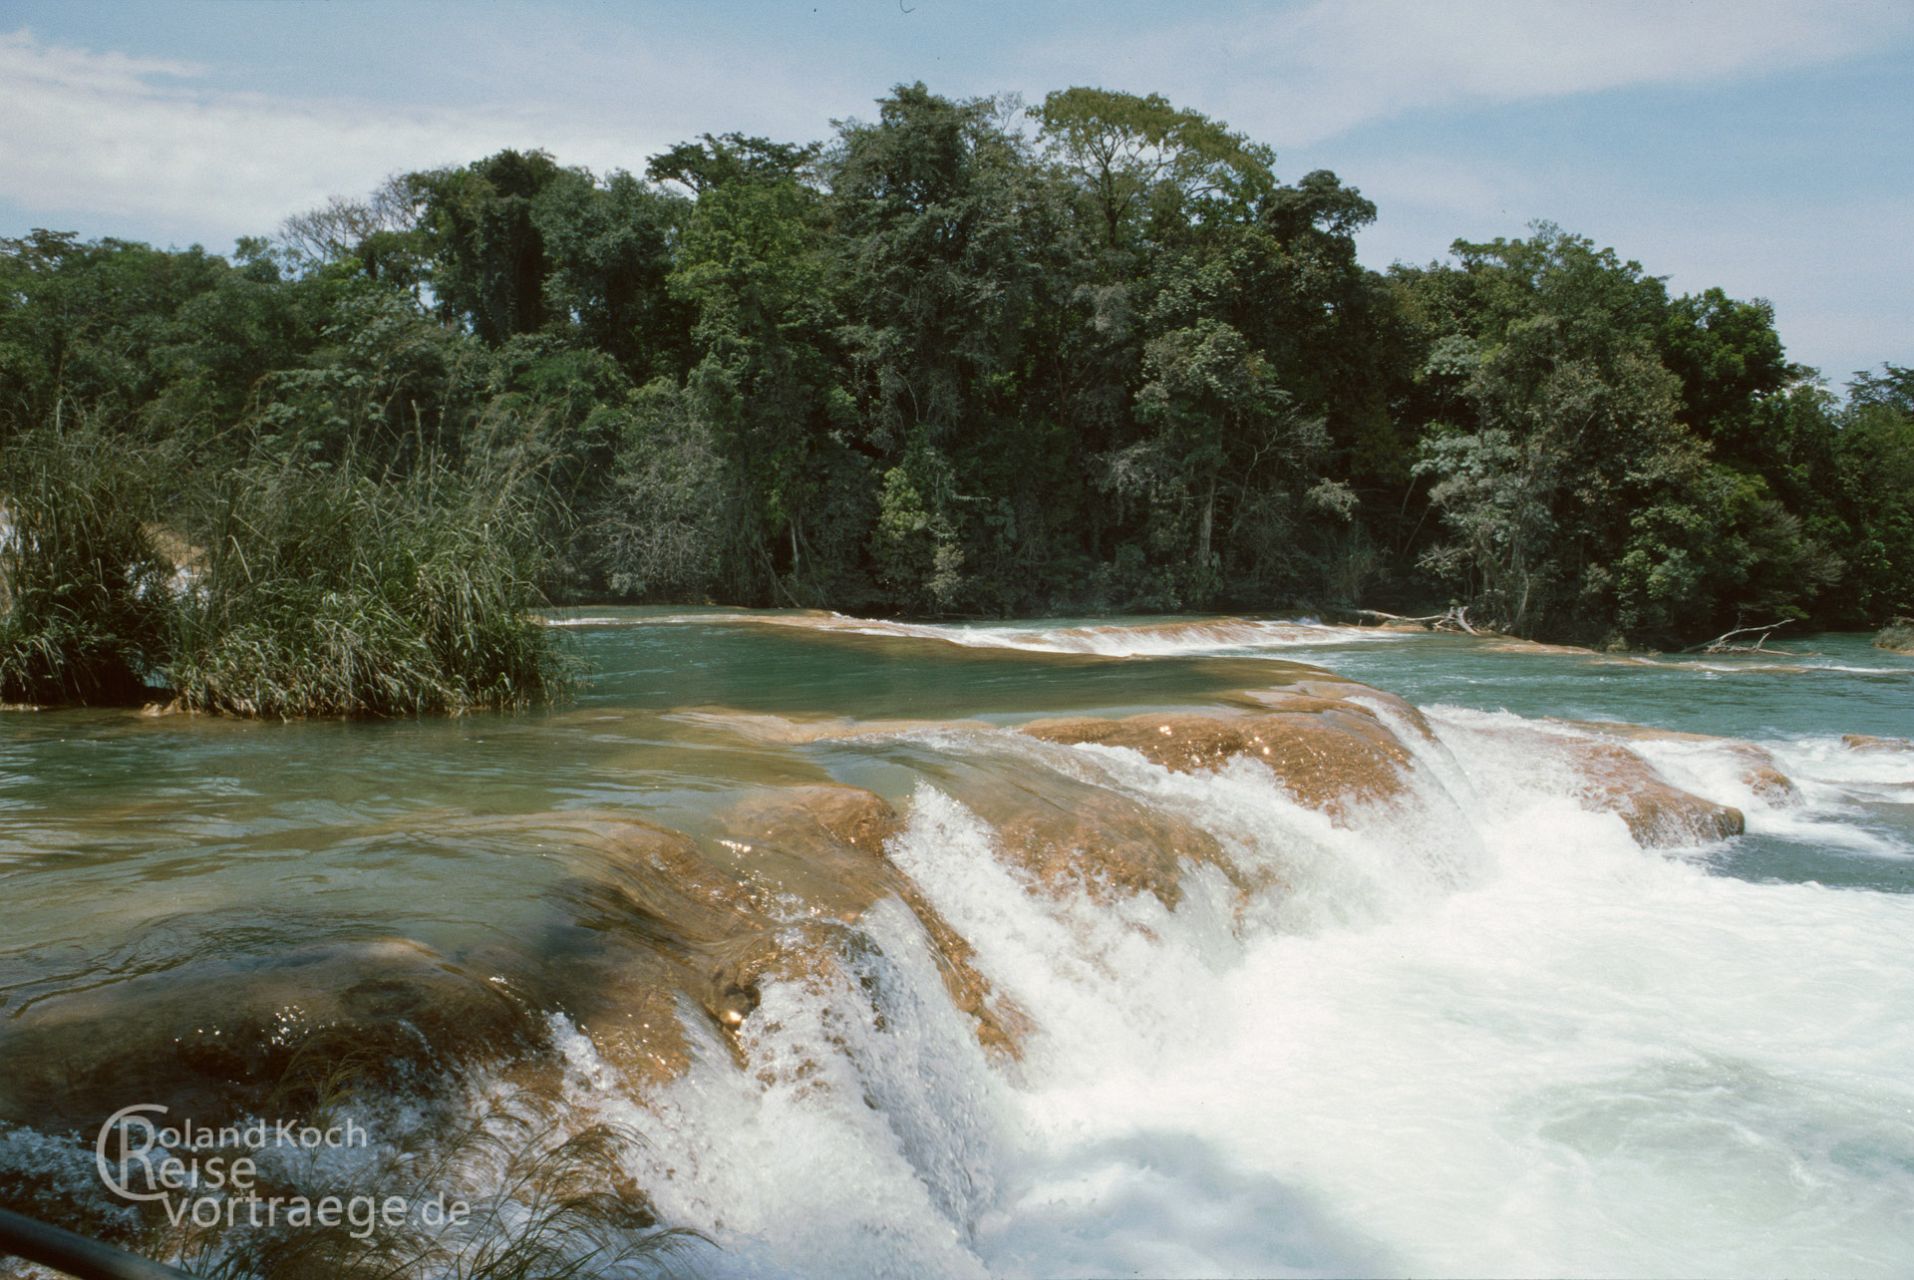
1476, 1031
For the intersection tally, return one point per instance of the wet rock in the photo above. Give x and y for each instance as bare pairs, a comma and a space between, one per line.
1870, 742
1067, 835
1658, 814
1759, 771
1329, 753
1110, 847
1772, 785
824, 847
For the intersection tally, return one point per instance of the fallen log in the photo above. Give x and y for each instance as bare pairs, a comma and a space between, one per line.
1453, 619
1720, 643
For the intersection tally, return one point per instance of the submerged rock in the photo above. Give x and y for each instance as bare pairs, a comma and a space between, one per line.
653, 926
237, 1034
762, 727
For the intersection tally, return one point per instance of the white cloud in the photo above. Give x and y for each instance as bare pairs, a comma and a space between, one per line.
119, 136
143, 140
1294, 76
123, 137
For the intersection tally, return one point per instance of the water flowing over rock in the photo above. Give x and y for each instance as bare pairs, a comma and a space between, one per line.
825, 847
1758, 769
1328, 751
1078, 838
1026, 983
1658, 814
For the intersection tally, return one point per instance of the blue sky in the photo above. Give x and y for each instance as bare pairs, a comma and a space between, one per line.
1757, 145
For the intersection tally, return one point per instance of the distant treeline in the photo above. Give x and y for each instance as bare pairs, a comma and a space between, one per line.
972, 359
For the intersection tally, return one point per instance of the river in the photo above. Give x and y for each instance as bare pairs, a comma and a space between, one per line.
1082, 947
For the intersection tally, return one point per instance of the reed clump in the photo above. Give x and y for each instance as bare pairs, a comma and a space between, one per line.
327, 592
84, 608
296, 588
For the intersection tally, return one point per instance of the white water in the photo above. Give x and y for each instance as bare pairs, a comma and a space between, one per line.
1113, 640
1480, 1033
1132, 641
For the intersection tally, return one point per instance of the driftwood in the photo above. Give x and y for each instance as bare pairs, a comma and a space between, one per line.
1720, 644
1453, 619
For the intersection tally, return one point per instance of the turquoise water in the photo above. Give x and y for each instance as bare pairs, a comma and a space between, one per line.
1620, 1060
1821, 684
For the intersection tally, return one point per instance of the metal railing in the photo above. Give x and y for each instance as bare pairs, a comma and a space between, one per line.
76, 1255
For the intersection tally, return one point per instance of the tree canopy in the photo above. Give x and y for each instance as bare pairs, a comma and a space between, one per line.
968, 358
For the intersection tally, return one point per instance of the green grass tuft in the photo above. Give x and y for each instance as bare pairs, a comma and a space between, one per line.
329, 593
320, 590
84, 608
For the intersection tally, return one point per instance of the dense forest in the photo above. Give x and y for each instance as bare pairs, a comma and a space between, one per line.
966, 358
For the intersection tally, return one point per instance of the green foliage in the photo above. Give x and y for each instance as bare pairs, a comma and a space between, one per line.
1873, 495
1140, 156
81, 323
289, 588
610, 247
378, 382
937, 256
753, 263
379, 235
83, 589
915, 543
710, 163
328, 593
1600, 490
944, 362
488, 249
660, 532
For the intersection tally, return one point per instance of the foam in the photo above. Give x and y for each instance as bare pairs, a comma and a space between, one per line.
1475, 1031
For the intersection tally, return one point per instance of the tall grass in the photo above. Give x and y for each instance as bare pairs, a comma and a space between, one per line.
326, 592
84, 602
320, 590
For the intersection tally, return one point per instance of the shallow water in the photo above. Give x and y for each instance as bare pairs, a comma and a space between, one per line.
1472, 1029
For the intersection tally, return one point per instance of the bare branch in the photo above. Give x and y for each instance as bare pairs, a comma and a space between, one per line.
1720, 643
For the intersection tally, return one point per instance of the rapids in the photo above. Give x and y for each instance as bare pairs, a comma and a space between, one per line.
1165, 947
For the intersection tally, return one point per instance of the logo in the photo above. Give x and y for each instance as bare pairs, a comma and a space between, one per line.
211, 1177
